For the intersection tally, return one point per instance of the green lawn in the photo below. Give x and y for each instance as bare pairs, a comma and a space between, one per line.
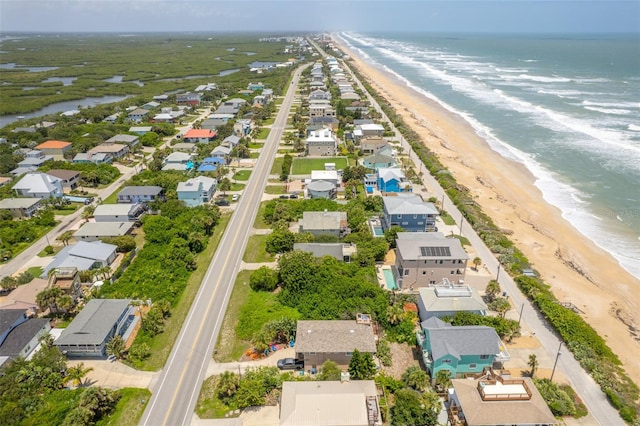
129, 409
269, 121
35, 271
463, 240
303, 166
256, 250
254, 155
67, 211
242, 175
254, 145
161, 344
235, 186
264, 133
260, 223
447, 219
276, 169
275, 189
228, 348
208, 405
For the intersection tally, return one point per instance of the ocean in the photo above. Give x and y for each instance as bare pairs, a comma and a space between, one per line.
565, 106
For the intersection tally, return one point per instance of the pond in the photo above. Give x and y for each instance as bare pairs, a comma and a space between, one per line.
14, 66
66, 81
227, 72
119, 79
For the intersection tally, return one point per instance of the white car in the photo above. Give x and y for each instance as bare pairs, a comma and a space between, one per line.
235, 197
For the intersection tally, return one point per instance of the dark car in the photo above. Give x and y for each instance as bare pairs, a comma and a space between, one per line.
284, 196
222, 202
293, 196
290, 364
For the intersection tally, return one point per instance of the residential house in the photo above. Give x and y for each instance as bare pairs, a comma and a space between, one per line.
372, 144
83, 256
21, 207
140, 194
340, 251
408, 211
57, 149
177, 161
206, 87
96, 158
216, 120
328, 175
20, 334
494, 400
189, 148
68, 178
138, 115
459, 350
35, 158
161, 98
344, 403
222, 152
199, 136
211, 164
189, 98
197, 191
38, 185
447, 298
164, 117
393, 180
368, 130
321, 110
24, 296
112, 118
321, 143
94, 231
379, 161
318, 341
140, 130
118, 212
231, 106
255, 86
321, 189
150, 105
427, 258
330, 122
130, 140
99, 321
324, 223
242, 127
115, 150
67, 279
231, 141
315, 85
349, 96
319, 94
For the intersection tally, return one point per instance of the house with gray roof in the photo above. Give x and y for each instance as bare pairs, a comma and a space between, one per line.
324, 223
448, 298
19, 334
340, 251
460, 349
83, 256
372, 144
408, 211
68, 178
427, 258
230, 141
318, 341
94, 231
35, 158
119, 212
98, 322
130, 140
197, 191
21, 207
38, 185
140, 194
321, 189
345, 403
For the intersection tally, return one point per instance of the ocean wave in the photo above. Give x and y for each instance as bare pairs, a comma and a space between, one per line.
612, 104
633, 127
536, 78
610, 110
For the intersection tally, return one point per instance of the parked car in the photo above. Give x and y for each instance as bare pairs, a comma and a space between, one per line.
235, 197
290, 364
293, 196
284, 196
222, 202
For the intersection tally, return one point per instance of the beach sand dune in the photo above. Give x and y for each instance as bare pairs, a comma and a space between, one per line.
578, 271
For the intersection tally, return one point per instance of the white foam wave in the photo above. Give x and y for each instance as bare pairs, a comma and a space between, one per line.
633, 127
610, 110
613, 104
536, 78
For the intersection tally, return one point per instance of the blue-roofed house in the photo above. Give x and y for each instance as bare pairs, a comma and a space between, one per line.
393, 180
459, 349
210, 164
409, 211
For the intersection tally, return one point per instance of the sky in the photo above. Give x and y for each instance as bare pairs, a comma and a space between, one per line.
508, 16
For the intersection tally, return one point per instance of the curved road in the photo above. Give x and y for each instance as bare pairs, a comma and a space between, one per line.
176, 392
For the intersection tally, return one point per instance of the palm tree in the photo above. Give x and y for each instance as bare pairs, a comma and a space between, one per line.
65, 237
533, 364
76, 373
492, 290
116, 347
395, 314
477, 262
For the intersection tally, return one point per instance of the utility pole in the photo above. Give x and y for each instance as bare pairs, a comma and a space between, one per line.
521, 310
556, 363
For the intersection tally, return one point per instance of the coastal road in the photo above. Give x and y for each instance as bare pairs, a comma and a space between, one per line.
176, 392
588, 390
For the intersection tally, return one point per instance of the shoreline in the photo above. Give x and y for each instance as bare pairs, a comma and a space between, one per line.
578, 270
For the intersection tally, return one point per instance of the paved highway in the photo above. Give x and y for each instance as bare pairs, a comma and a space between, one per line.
580, 380
176, 392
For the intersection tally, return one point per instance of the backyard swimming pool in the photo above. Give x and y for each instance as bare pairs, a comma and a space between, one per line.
389, 279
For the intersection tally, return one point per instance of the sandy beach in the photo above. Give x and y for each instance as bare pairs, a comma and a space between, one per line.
577, 269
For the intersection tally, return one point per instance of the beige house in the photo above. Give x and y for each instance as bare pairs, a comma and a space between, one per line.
321, 143
344, 403
318, 341
116, 150
427, 258
68, 178
324, 223
372, 144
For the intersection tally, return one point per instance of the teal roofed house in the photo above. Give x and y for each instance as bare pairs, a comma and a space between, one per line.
460, 350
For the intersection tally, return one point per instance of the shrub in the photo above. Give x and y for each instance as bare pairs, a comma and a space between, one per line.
263, 279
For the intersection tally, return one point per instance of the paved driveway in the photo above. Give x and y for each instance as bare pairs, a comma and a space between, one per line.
115, 375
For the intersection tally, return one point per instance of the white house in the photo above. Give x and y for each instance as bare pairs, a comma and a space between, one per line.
39, 185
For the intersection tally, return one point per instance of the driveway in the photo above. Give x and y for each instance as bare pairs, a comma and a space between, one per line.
115, 374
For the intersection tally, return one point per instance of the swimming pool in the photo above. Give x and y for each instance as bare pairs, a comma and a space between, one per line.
389, 279
377, 231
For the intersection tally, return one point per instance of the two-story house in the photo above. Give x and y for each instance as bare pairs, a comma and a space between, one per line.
321, 143
57, 149
460, 349
324, 223
408, 211
38, 185
140, 194
138, 115
197, 191
427, 258
447, 298
393, 180
68, 178
189, 98
199, 136
119, 212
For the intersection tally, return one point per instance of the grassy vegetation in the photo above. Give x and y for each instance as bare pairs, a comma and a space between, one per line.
228, 347
255, 145
242, 175
235, 186
303, 166
447, 219
256, 250
128, 411
260, 308
162, 344
263, 134
275, 189
463, 240
260, 223
277, 166
208, 406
